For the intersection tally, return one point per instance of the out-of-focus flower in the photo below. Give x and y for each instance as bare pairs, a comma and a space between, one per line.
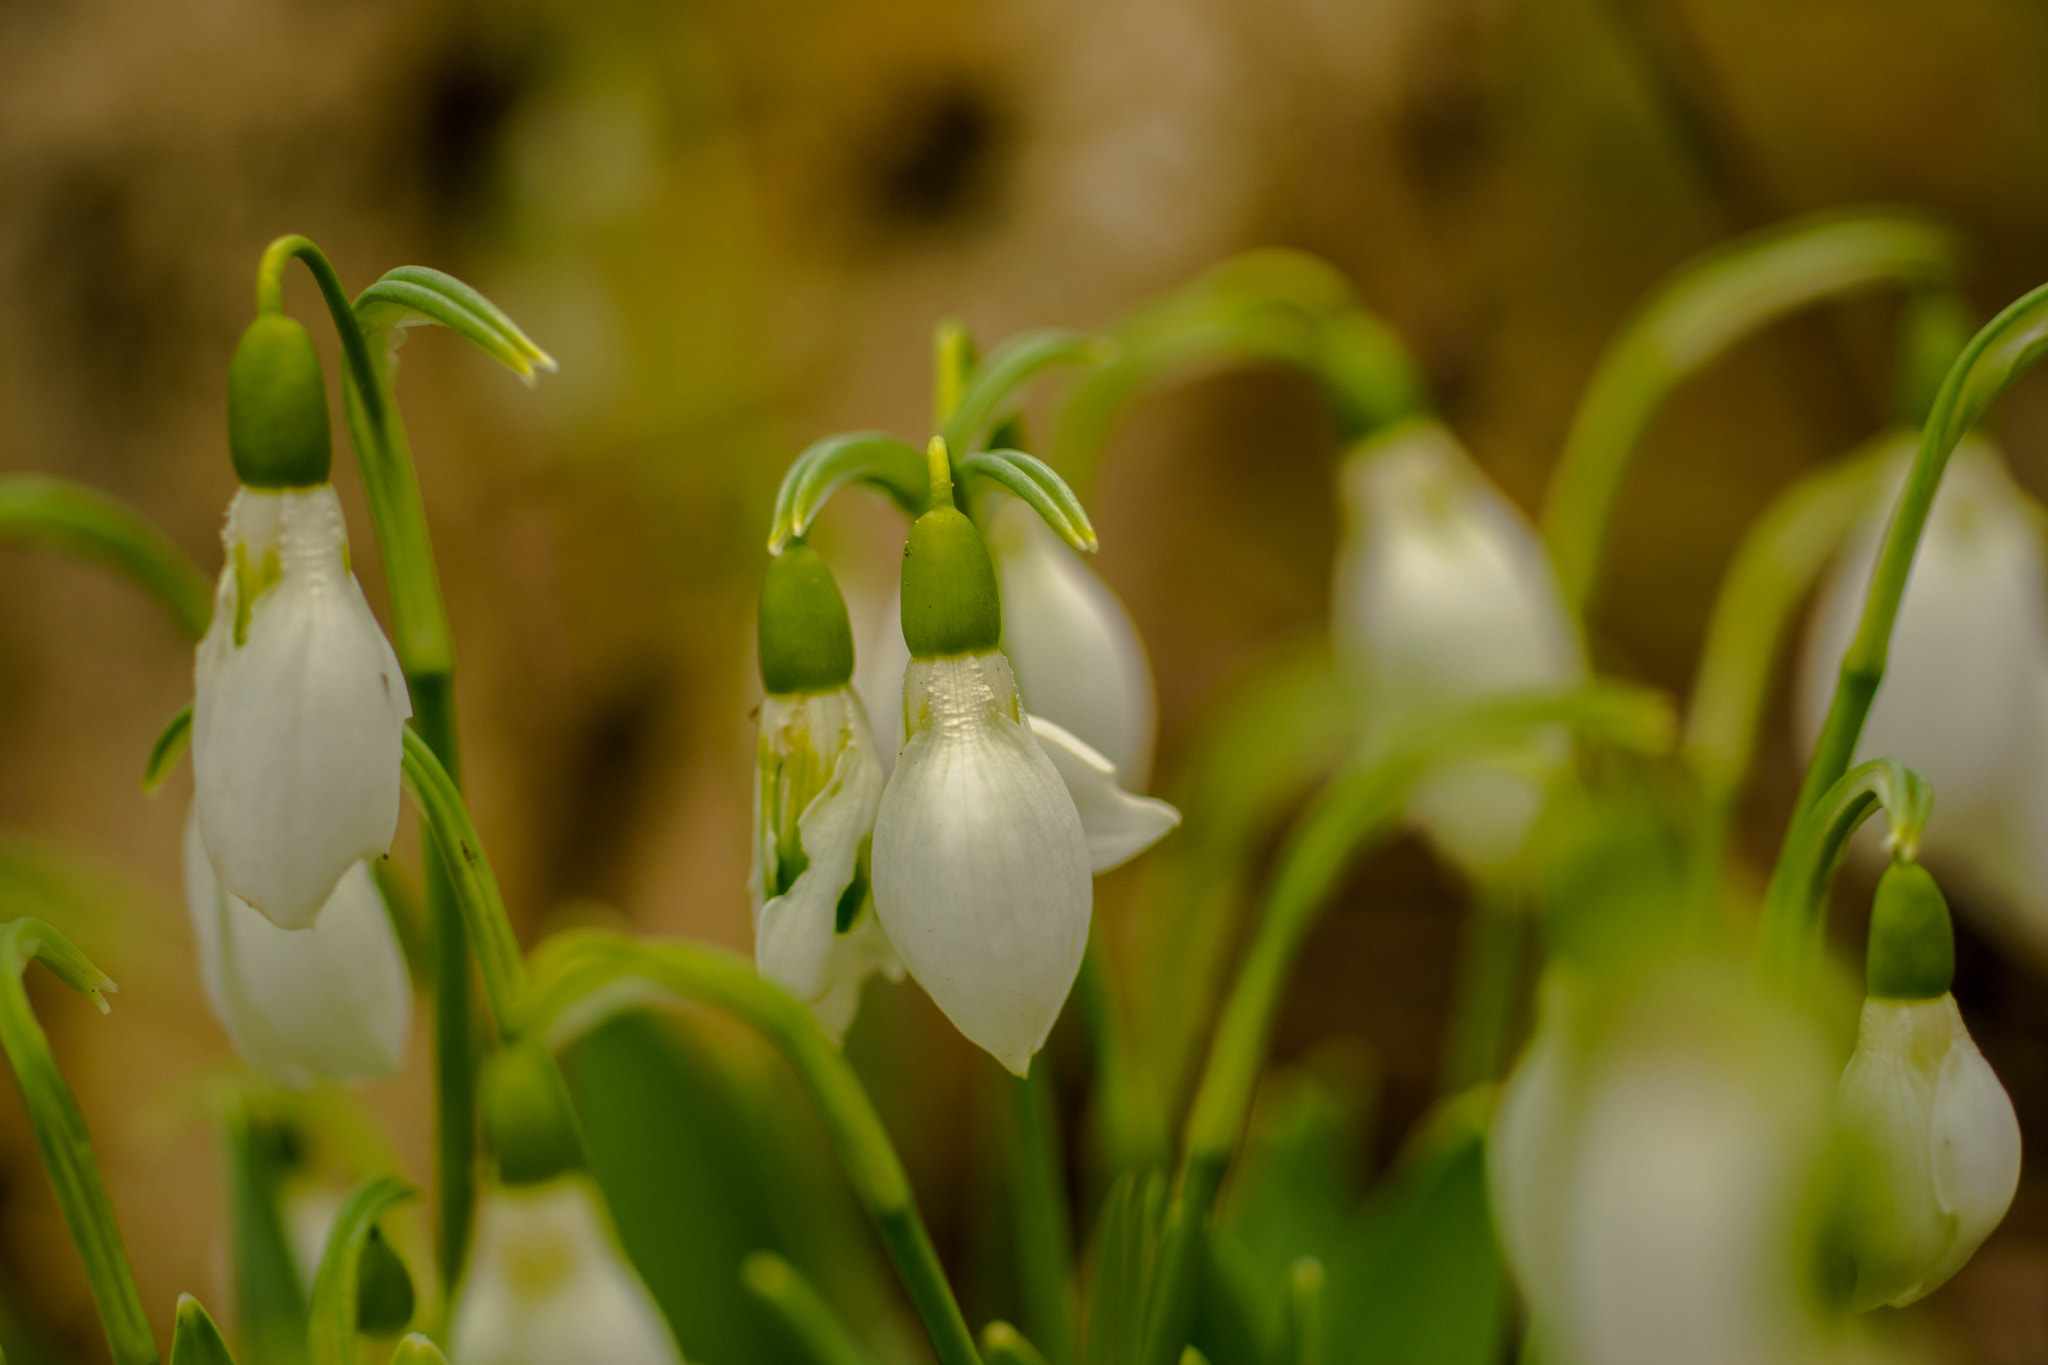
547, 1283
1964, 699
328, 1002
1443, 593
1653, 1162
817, 785
298, 719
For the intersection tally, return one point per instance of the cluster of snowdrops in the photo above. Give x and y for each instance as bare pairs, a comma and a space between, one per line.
1661, 1107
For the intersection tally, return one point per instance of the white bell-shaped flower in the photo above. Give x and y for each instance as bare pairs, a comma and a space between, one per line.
1075, 650
982, 873
1938, 1143
331, 1001
1118, 824
300, 706
817, 786
1443, 593
547, 1284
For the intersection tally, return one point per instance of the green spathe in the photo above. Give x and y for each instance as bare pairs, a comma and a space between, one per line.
529, 1125
277, 407
1912, 944
950, 605
806, 643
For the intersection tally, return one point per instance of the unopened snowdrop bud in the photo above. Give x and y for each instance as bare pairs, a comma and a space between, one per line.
331, 1001
817, 784
1443, 593
547, 1283
1075, 650
981, 865
299, 709
1931, 1132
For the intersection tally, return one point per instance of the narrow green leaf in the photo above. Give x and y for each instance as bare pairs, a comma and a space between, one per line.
86, 522
1008, 367
270, 1295
1304, 1318
414, 294
417, 1350
336, 1288
1035, 481
875, 458
1002, 1344
194, 1339
168, 749
802, 1310
1125, 1243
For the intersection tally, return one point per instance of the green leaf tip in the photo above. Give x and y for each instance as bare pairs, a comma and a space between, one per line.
414, 294
1038, 484
417, 1350
169, 747
194, 1338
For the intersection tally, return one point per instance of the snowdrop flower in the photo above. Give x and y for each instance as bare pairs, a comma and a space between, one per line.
1443, 593
817, 784
547, 1283
1965, 694
328, 1002
982, 864
1651, 1164
1935, 1142
300, 705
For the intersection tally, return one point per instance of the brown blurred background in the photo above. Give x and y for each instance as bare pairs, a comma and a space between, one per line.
735, 222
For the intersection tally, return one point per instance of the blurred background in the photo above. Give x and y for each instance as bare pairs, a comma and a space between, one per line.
734, 222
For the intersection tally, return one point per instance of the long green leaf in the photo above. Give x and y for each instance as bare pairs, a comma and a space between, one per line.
803, 1311
336, 1288
86, 522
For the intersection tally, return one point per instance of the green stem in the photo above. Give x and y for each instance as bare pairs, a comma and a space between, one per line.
1794, 915
335, 1288
1133, 1131
60, 1132
1696, 315
1482, 1005
88, 523
573, 967
1038, 1207
270, 1296
1347, 816
792, 1298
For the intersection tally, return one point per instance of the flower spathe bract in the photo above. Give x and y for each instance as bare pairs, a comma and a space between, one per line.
1077, 656
1443, 593
331, 1001
299, 709
547, 1283
1936, 1149
981, 866
817, 785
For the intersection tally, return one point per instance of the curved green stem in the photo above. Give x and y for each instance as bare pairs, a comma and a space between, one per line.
2006, 348
60, 1132
792, 1298
1694, 316
1347, 816
1005, 369
573, 967
1794, 907
332, 1337
88, 523
1038, 1212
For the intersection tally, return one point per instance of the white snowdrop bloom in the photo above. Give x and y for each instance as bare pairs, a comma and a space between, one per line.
331, 1001
300, 707
817, 785
1968, 665
547, 1284
1118, 825
1528, 1150
1938, 1143
1075, 650
1443, 593
878, 677
982, 870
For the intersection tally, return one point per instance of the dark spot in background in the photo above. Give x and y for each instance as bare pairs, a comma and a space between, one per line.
612, 754
467, 97
934, 159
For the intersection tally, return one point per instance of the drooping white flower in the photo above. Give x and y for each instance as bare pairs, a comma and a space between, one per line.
547, 1284
1076, 653
1938, 1143
300, 706
331, 1001
981, 867
1118, 825
1443, 593
817, 785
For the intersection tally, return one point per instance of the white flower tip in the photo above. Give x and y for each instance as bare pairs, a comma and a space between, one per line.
1119, 825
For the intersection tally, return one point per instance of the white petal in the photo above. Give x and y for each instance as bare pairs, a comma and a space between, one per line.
980, 863
878, 668
547, 1284
328, 1002
296, 730
1078, 658
1119, 825
1528, 1151
796, 942
1883, 1105
1975, 1142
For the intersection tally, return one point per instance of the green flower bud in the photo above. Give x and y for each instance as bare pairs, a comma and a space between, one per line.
529, 1124
277, 407
950, 603
806, 643
384, 1297
1912, 944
